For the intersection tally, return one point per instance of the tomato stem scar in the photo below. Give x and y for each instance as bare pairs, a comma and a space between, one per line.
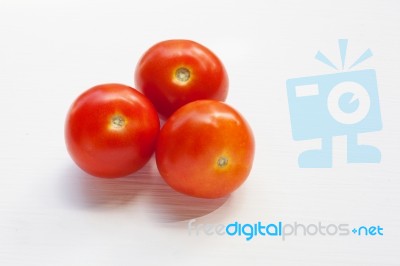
117, 122
222, 162
182, 74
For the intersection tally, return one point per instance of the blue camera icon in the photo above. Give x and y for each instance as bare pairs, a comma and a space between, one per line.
325, 106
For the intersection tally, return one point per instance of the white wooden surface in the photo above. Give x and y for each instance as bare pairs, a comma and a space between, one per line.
51, 213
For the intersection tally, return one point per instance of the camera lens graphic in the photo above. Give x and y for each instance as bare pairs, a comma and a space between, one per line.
348, 103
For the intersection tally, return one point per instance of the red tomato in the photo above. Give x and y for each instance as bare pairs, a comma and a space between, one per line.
205, 149
111, 130
175, 72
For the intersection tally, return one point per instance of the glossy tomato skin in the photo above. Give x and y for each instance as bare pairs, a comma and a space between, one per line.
111, 130
205, 149
175, 72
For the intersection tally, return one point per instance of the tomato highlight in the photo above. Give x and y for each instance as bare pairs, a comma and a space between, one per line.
175, 72
111, 130
205, 149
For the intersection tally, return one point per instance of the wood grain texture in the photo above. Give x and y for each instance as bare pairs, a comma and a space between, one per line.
52, 213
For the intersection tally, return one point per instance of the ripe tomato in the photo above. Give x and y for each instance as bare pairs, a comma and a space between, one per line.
175, 72
205, 149
111, 130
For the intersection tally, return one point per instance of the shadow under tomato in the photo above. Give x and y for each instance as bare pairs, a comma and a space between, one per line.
166, 205
87, 191
162, 202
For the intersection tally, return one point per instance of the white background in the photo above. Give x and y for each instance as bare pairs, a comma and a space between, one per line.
51, 213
